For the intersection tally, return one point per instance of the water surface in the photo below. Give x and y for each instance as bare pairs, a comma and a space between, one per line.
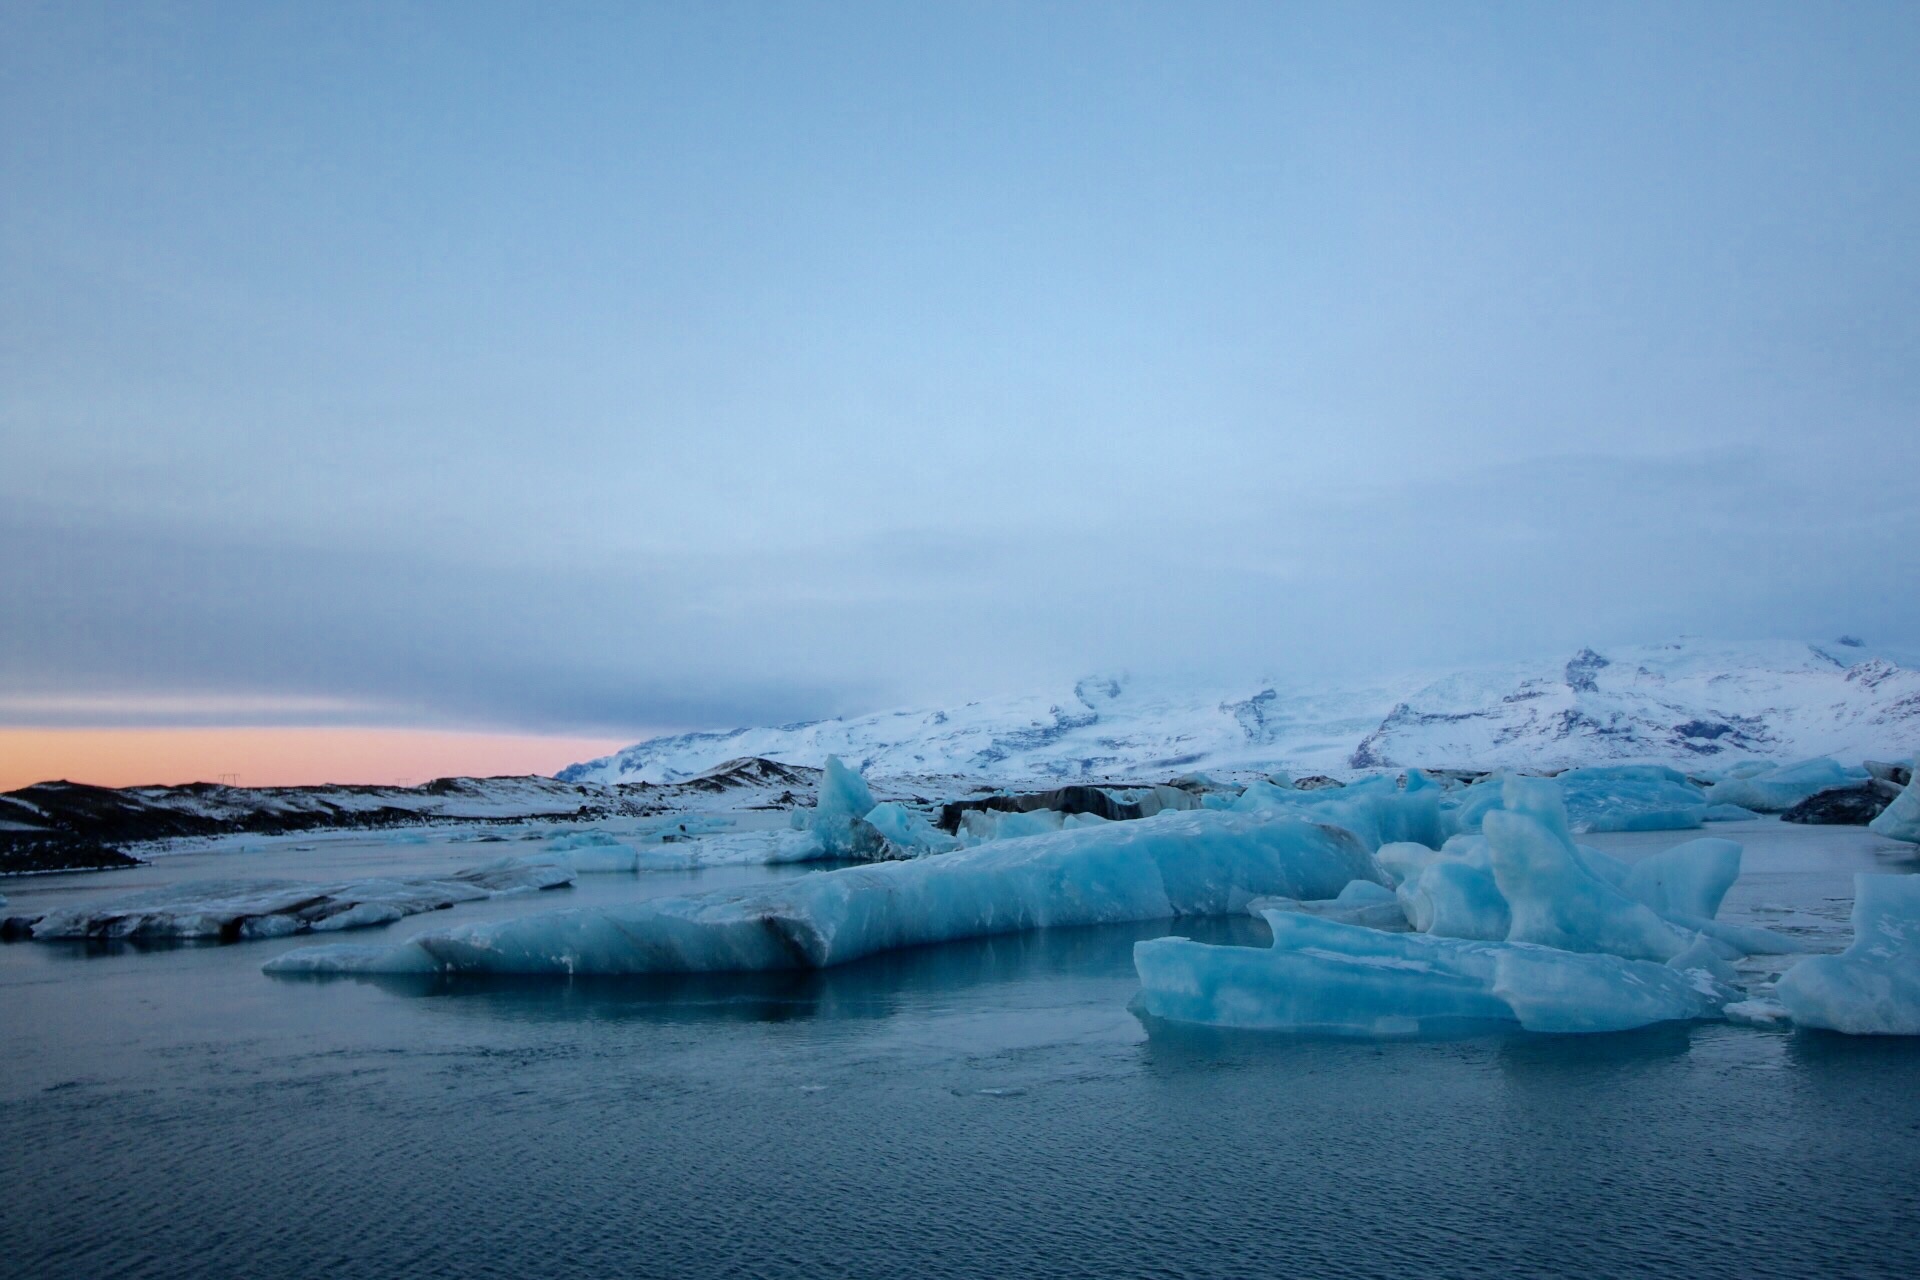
987, 1108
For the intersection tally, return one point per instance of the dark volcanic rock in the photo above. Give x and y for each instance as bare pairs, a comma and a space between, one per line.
1316, 782
1839, 807
56, 851
1581, 670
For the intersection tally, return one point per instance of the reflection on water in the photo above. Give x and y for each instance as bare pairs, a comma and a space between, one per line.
877, 987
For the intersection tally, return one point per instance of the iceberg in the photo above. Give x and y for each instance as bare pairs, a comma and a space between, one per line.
1191, 863
907, 831
1326, 977
978, 826
1517, 925
1374, 809
1553, 894
588, 853
735, 849
1456, 898
839, 814
238, 910
1873, 987
1600, 798
1901, 819
1362, 902
1777, 789
1688, 881
1631, 798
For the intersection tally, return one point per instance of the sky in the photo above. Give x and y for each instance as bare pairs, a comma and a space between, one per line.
541, 377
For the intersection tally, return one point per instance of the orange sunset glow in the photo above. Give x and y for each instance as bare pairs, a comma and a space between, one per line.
259, 757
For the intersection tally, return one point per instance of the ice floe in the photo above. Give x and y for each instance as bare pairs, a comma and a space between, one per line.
235, 910
1324, 976
1174, 864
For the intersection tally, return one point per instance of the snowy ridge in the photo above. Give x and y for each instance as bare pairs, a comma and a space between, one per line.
1688, 703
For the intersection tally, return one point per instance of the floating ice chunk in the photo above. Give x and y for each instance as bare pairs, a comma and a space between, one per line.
344, 958
1873, 987
1901, 819
978, 826
1198, 863
1404, 860
1600, 798
737, 849
1604, 865
1554, 898
235, 910
839, 815
1704, 956
1551, 990
1729, 813
588, 853
1456, 899
1363, 893
1325, 977
1363, 903
1631, 798
359, 916
907, 831
1570, 896
1161, 798
1374, 809
1744, 939
590, 839
1778, 789
1757, 1013
1689, 879
1387, 985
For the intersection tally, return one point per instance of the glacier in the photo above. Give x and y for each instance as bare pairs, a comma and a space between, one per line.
1173, 864
1873, 987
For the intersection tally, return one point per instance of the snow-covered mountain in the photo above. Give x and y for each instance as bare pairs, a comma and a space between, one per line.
1690, 702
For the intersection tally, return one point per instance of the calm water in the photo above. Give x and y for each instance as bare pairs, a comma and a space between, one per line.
981, 1109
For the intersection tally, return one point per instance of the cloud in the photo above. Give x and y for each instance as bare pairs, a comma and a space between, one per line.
154, 623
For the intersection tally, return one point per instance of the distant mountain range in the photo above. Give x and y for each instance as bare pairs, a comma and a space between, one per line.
1691, 702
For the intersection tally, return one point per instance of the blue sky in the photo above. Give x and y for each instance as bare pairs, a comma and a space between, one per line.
607, 368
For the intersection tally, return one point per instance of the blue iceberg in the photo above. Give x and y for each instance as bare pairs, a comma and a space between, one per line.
1779, 788
1325, 977
1873, 987
1175, 864
1901, 819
